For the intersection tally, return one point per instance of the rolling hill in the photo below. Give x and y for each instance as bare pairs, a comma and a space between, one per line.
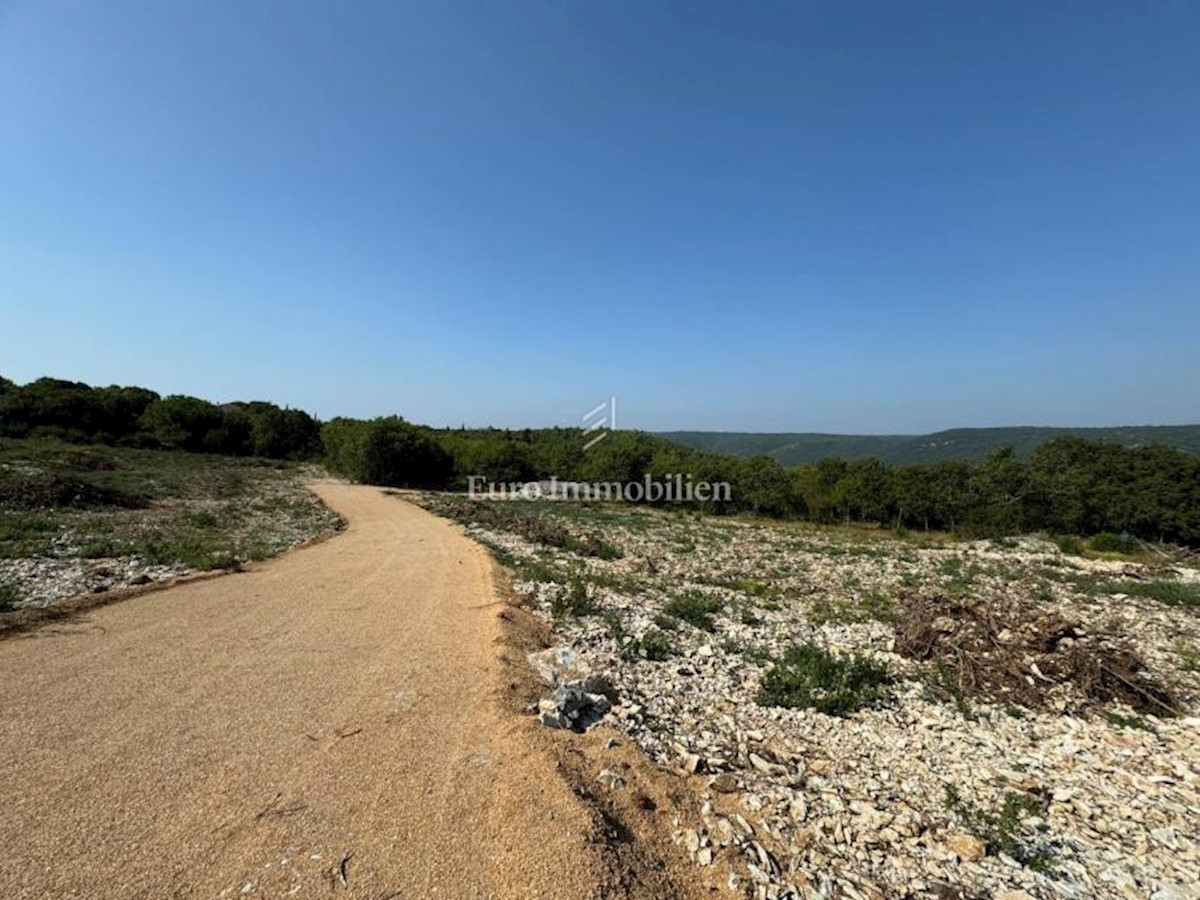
958, 443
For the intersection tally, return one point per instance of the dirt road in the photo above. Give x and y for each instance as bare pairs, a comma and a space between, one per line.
324, 725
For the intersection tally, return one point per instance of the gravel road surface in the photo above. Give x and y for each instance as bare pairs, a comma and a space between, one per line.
327, 724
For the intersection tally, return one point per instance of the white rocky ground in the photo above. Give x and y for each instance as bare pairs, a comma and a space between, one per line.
802, 804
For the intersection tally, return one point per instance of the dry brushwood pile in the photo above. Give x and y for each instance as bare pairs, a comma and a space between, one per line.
876, 716
1010, 651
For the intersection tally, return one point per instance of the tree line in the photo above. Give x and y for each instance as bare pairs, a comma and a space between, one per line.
138, 417
1068, 485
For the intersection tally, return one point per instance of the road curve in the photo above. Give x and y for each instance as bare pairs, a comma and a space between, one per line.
324, 725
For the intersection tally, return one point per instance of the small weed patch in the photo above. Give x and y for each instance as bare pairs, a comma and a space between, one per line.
1002, 829
1189, 656
576, 600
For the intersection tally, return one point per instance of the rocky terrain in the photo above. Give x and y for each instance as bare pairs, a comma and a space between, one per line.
869, 715
77, 521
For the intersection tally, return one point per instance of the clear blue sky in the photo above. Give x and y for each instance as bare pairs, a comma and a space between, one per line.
862, 217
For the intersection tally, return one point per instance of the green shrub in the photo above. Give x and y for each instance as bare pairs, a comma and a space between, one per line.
747, 616
1068, 543
809, 676
1112, 543
654, 645
591, 545
694, 607
665, 622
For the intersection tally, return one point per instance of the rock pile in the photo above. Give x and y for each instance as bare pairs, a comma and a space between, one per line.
576, 705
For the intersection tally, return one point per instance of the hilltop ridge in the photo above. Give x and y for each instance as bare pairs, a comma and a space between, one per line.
971, 444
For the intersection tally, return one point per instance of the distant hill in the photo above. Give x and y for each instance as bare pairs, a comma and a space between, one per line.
958, 443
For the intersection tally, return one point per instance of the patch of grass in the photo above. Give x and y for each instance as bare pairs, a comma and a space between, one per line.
752, 588
25, 533
1120, 721
1002, 830
959, 579
105, 548
871, 606
694, 607
591, 545
96, 499
947, 684
203, 519
526, 569
620, 583
1082, 582
9, 596
1170, 593
749, 652
50, 490
538, 523
1189, 656
1044, 595
809, 676
615, 627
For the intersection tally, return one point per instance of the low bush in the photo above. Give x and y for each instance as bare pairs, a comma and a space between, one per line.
654, 645
1068, 543
809, 676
